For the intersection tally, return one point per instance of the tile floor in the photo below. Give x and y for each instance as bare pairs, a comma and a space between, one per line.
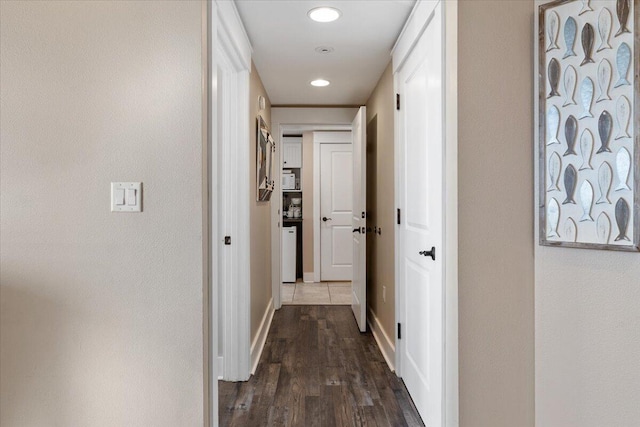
323, 293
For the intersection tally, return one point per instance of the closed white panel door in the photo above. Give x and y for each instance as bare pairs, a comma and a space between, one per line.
359, 222
336, 256
420, 121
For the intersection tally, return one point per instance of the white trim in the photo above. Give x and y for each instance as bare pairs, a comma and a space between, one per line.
308, 277
412, 30
450, 36
316, 212
220, 368
261, 337
321, 138
231, 61
387, 347
415, 26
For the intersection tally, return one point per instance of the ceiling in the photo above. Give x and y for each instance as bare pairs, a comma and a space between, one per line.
284, 40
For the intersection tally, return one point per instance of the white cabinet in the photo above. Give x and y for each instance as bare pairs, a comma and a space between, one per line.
292, 152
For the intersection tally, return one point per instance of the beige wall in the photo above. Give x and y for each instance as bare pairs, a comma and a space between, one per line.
307, 202
260, 213
587, 337
381, 202
496, 320
100, 312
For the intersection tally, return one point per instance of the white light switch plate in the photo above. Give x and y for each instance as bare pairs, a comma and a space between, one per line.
132, 197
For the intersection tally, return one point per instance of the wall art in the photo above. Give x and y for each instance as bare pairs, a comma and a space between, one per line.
589, 124
264, 155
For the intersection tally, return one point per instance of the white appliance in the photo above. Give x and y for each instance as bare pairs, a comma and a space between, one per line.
288, 181
289, 254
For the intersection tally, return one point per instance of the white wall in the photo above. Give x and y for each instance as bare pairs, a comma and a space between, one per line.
101, 314
587, 336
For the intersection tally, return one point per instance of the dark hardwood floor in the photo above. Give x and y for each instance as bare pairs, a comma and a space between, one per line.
317, 369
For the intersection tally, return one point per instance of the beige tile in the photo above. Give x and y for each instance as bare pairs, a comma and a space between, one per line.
339, 284
305, 294
286, 293
312, 285
340, 295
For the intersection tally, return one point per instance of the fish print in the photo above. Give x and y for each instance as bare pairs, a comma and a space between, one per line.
604, 29
570, 31
623, 61
603, 228
586, 94
570, 181
605, 124
605, 176
622, 219
553, 217
555, 166
570, 135
570, 230
623, 167
622, 10
587, 43
553, 123
554, 77
623, 114
570, 81
604, 80
586, 201
586, 149
553, 26
586, 7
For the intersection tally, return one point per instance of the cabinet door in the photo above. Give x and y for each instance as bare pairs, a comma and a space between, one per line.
292, 154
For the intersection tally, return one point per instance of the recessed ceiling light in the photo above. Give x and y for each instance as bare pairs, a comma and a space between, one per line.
324, 49
324, 14
320, 83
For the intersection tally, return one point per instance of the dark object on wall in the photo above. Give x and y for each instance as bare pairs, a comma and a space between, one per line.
265, 147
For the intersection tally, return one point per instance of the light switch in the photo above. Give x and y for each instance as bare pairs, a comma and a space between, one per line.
131, 197
126, 197
119, 195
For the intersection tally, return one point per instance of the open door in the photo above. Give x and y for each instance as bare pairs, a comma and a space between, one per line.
359, 221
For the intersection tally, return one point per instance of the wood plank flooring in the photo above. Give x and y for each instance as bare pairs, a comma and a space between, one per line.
318, 370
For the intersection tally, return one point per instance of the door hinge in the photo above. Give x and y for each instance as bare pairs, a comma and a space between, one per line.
398, 101
227, 240
399, 216
399, 331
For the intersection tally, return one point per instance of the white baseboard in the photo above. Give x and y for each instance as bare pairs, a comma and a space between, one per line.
261, 337
220, 367
387, 346
308, 277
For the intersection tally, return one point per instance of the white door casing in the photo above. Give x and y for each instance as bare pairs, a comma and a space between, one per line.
335, 212
421, 199
359, 221
229, 115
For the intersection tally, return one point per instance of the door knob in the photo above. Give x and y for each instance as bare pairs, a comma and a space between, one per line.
431, 253
357, 230
325, 219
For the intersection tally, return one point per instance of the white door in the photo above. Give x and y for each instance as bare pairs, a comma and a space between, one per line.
421, 197
335, 212
359, 222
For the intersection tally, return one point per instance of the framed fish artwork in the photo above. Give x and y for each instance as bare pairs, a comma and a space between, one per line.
589, 124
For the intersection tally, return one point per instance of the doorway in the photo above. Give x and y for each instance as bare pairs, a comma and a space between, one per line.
315, 238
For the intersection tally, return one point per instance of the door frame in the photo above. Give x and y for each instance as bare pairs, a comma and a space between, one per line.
229, 295
413, 29
319, 138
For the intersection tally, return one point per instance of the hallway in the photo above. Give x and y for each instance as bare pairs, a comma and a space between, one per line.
317, 369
